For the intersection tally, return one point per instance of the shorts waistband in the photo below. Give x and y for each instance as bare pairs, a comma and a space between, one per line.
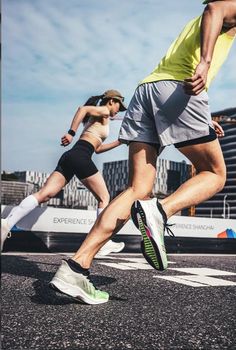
85, 144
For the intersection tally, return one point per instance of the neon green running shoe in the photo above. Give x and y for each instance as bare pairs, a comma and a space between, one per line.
149, 217
77, 285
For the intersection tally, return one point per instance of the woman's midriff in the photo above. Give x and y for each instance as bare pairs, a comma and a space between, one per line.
91, 139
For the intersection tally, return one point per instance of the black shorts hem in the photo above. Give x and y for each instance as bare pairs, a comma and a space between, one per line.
204, 139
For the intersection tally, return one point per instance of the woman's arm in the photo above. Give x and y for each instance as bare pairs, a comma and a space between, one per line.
95, 111
104, 148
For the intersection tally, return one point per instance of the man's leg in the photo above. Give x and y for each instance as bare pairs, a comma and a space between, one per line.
208, 160
151, 216
72, 277
142, 165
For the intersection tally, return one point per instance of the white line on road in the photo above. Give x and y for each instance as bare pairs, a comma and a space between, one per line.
198, 281
200, 277
203, 271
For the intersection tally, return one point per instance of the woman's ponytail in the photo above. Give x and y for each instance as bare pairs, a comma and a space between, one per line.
92, 101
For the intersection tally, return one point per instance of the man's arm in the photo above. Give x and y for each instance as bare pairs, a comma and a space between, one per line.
213, 19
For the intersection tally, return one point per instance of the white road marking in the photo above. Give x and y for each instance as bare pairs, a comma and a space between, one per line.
128, 266
179, 279
133, 263
198, 281
203, 271
116, 266
210, 281
200, 277
195, 276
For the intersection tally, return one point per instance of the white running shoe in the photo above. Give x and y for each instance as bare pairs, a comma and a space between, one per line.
77, 285
147, 217
5, 231
111, 247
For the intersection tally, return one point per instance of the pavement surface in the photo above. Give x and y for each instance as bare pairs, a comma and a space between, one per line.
189, 306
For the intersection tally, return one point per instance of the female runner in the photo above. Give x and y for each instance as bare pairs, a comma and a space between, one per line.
77, 161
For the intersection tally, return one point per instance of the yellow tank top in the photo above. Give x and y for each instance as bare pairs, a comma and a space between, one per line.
96, 128
184, 55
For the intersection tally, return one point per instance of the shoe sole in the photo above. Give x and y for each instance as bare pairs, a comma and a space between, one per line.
74, 292
149, 247
107, 252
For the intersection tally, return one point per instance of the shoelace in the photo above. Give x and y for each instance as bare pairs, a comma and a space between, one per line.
168, 230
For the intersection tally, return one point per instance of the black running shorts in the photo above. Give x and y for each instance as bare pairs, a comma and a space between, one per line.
77, 161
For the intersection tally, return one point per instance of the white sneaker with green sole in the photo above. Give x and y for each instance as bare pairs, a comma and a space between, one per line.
77, 285
111, 247
147, 217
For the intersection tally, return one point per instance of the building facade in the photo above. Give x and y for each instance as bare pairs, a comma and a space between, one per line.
73, 195
169, 177
223, 204
13, 192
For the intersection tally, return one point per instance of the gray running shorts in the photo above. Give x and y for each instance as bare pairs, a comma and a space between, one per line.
162, 113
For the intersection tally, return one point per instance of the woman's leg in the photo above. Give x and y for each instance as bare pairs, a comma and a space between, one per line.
208, 160
53, 185
96, 184
142, 158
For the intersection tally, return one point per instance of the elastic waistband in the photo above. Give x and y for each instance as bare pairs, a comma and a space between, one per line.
85, 144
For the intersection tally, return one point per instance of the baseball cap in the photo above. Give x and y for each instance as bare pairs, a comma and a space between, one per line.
117, 96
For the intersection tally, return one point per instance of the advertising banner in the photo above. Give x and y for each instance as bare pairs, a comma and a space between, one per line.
49, 219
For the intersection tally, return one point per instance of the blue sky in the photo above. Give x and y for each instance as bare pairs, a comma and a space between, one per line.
57, 53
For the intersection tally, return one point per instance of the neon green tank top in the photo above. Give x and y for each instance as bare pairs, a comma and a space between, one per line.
184, 55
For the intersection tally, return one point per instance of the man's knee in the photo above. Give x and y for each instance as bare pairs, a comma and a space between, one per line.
141, 192
221, 181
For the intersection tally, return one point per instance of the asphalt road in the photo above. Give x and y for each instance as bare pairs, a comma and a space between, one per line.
189, 306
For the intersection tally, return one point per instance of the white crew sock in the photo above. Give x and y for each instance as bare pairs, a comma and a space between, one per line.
24, 208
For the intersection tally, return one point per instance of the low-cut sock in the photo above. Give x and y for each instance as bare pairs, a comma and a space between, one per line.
21, 210
76, 267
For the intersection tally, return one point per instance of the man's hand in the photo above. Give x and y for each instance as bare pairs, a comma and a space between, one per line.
66, 140
197, 83
218, 129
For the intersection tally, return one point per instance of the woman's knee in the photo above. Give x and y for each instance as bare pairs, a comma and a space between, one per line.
103, 200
